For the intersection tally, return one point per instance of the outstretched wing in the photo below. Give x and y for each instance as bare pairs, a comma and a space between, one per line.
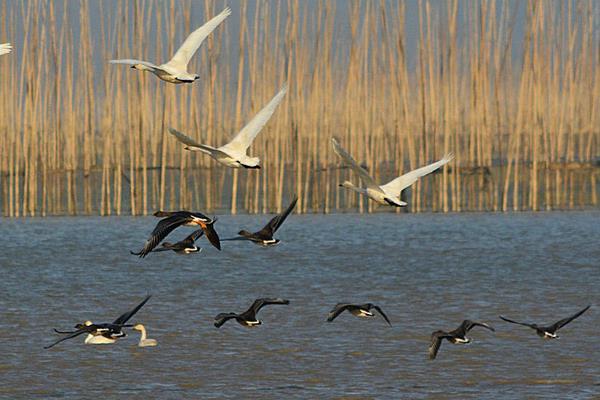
245, 137
5, 48
126, 316
337, 310
128, 61
161, 231
380, 311
436, 342
191, 238
468, 325
194, 40
396, 186
211, 234
348, 160
193, 145
276, 221
516, 322
557, 325
260, 303
222, 318
71, 336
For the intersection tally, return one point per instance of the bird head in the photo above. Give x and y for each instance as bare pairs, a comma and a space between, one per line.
196, 77
85, 324
138, 327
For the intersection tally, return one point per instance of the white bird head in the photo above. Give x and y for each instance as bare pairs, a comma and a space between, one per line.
138, 327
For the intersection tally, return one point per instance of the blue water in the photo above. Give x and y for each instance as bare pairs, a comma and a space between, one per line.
426, 271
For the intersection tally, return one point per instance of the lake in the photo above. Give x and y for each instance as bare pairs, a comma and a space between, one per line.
426, 271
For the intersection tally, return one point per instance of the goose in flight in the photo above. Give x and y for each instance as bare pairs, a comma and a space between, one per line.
390, 192
106, 333
144, 342
548, 332
264, 237
457, 336
248, 317
5, 48
186, 246
174, 219
175, 70
358, 310
234, 153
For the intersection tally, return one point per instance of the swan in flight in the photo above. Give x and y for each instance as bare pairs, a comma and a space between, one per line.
233, 154
457, 336
105, 333
358, 310
548, 332
5, 48
174, 219
390, 192
175, 71
144, 342
264, 237
248, 317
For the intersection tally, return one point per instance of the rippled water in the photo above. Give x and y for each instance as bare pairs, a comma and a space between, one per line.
426, 271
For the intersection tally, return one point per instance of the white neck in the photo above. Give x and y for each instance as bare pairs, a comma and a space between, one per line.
143, 330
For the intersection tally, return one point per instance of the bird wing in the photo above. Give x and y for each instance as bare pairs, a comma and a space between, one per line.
211, 234
260, 303
220, 319
194, 40
5, 48
396, 186
380, 311
130, 61
162, 229
559, 324
337, 310
245, 137
436, 342
276, 221
126, 316
71, 336
192, 237
195, 146
468, 325
348, 160
516, 322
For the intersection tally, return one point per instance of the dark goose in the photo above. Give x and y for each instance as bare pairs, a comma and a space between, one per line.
548, 332
457, 336
358, 310
248, 317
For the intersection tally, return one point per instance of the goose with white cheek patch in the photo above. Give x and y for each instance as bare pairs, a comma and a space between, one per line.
457, 336
358, 310
234, 154
248, 317
106, 333
175, 71
548, 332
264, 237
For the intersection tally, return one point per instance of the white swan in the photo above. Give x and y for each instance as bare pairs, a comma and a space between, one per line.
5, 48
143, 341
390, 192
233, 154
175, 71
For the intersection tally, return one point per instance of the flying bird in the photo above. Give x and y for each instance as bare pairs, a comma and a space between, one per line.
5, 48
101, 333
186, 246
234, 153
264, 237
457, 336
358, 310
248, 317
174, 219
175, 70
390, 192
144, 342
548, 332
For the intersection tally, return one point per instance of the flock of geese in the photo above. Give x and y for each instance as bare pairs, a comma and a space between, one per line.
234, 154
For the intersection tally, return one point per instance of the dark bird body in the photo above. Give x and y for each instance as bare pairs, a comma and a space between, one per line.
548, 332
358, 310
248, 317
174, 219
186, 246
264, 237
109, 331
457, 336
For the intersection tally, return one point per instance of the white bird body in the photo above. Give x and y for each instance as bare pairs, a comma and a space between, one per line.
390, 192
234, 154
91, 339
144, 342
5, 48
175, 70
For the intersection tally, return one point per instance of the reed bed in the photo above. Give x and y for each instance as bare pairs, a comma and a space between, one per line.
511, 88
